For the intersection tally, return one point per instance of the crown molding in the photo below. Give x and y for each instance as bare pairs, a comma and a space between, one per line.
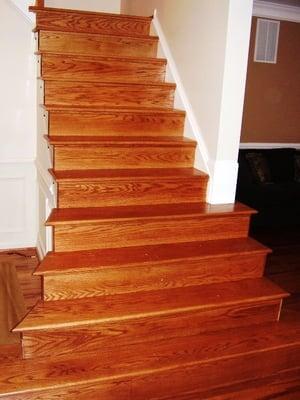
261, 145
276, 11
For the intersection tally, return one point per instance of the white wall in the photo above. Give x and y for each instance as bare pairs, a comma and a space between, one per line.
109, 6
18, 189
209, 40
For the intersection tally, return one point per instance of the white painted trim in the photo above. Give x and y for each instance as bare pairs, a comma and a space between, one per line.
276, 11
224, 176
41, 248
22, 9
181, 93
254, 145
46, 182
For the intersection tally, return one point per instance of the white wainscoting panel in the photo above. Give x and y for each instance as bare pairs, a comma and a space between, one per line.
18, 204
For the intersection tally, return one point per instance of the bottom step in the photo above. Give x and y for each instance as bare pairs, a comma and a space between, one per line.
160, 370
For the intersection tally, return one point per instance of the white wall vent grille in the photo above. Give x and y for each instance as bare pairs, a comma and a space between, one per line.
266, 42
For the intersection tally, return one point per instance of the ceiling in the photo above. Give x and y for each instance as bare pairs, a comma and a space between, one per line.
285, 2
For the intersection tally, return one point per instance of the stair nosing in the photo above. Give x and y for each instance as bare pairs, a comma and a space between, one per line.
42, 384
138, 60
120, 315
74, 11
141, 110
140, 174
260, 250
161, 141
112, 84
163, 214
137, 38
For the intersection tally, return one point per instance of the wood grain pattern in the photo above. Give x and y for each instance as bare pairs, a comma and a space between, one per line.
97, 188
260, 351
113, 334
203, 210
76, 283
72, 236
126, 257
102, 69
25, 261
115, 122
118, 156
89, 22
71, 313
281, 386
91, 44
108, 94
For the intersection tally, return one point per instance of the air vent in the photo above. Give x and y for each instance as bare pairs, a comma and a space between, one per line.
266, 42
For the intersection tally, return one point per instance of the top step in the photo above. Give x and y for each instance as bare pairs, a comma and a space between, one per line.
65, 20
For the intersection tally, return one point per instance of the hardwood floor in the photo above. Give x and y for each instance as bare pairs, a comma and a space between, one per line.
283, 264
26, 261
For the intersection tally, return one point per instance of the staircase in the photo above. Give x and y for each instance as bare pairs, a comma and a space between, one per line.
149, 292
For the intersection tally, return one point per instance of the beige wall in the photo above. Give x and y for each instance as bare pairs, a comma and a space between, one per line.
110, 6
198, 47
209, 42
272, 102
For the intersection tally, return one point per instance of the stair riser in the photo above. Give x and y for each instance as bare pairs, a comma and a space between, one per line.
127, 156
96, 45
90, 339
114, 124
89, 23
119, 233
105, 70
130, 192
100, 95
163, 275
173, 383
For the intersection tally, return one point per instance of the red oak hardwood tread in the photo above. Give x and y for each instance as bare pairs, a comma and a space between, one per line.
96, 214
145, 38
99, 84
240, 345
83, 12
111, 109
64, 262
96, 58
120, 140
119, 174
71, 313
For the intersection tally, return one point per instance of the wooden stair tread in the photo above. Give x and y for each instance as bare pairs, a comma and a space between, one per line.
99, 84
25, 375
121, 140
74, 11
108, 110
60, 263
145, 38
96, 58
70, 313
83, 215
119, 174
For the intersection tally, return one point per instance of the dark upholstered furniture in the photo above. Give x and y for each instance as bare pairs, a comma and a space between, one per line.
269, 181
